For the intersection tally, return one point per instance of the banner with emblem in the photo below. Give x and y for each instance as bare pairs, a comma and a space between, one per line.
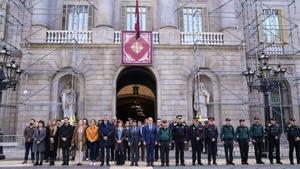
136, 51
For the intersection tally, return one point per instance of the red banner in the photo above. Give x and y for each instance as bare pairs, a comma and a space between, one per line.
136, 51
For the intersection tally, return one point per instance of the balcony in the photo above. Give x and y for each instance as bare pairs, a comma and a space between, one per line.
64, 36
186, 38
118, 37
275, 49
202, 38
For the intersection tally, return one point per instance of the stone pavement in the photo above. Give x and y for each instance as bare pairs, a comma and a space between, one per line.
221, 164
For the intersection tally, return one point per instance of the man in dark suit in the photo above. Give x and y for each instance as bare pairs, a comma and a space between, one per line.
134, 140
65, 136
149, 138
106, 139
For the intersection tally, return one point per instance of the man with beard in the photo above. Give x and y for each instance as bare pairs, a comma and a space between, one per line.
65, 136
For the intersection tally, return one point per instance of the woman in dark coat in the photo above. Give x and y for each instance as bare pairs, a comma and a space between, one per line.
120, 135
53, 141
39, 141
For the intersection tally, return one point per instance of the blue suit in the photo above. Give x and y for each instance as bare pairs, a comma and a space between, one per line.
149, 136
108, 131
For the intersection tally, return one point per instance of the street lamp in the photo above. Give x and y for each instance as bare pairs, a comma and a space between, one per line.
10, 71
266, 80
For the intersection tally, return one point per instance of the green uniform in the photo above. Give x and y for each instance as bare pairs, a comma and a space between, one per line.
243, 136
227, 135
257, 136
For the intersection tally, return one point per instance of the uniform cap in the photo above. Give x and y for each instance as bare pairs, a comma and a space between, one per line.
179, 117
227, 119
211, 118
256, 118
273, 119
242, 120
292, 119
196, 118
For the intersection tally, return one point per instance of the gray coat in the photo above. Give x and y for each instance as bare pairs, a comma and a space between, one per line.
39, 135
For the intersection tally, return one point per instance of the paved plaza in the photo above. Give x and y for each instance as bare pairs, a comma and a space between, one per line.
221, 165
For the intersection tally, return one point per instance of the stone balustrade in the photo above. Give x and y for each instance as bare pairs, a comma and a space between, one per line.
64, 36
118, 37
275, 49
186, 38
205, 38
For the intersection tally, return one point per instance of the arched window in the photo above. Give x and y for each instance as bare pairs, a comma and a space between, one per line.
281, 106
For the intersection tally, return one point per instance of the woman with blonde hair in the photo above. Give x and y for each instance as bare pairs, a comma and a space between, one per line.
53, 141
93, 136
79, 141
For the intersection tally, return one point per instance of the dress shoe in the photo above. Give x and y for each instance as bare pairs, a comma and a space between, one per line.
215, 163
261, 162
177, 164
131, 164
292, 163
279, 162
136, 164
24, 162
167, 164
36, 164
200, 163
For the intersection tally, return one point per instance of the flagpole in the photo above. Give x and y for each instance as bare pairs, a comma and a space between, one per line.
137, 23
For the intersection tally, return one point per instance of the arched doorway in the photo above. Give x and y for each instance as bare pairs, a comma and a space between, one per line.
281, 105
136, 94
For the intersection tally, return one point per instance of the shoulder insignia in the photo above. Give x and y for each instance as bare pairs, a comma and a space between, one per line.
269, 125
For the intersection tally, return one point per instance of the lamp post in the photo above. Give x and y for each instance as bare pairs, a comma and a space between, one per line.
10, 71
265, 80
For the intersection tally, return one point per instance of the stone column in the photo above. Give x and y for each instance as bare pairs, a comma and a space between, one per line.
168, 22
229, 23
40, 15
103, 22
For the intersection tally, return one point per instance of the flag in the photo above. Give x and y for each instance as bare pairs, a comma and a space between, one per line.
137, 21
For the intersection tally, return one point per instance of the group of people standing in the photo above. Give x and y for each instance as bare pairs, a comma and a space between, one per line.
112, 141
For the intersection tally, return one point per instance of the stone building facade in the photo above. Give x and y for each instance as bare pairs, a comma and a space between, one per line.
62, 53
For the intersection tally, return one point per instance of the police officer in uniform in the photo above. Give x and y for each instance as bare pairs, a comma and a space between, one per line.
227, 137
196, 133
243, 137
180, 136
273, 133
293, 136
211, 133
257, 137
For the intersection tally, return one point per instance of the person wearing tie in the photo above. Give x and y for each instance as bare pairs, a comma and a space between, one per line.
149, 139
142, 147
106, 139
134, 140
